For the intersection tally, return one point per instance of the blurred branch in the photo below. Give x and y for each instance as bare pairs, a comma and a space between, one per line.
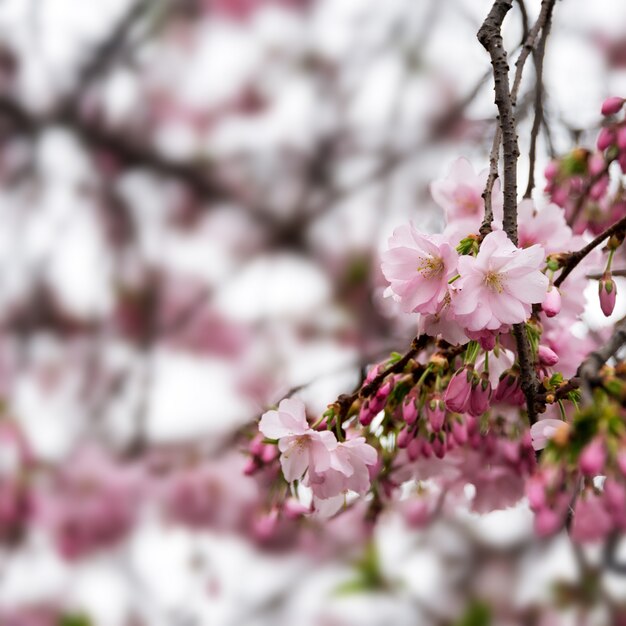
104, 53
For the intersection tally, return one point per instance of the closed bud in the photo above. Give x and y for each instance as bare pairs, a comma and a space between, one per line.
436, 413
606, 138
551, 170
551, 304
413, 449
409, 410
547, 356
480, 396
621, 138
612, 105
593, 458
405, 436
607, 290
457, 396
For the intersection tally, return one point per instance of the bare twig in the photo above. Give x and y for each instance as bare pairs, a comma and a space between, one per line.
538, 56
574, 258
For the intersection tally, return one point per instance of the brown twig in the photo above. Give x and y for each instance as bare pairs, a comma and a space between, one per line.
345, 401
574, 258
538, 56
490, 36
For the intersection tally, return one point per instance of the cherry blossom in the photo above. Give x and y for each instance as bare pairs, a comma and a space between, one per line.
499, 286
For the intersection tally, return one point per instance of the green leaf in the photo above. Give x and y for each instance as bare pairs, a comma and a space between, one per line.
477, 614
74, 619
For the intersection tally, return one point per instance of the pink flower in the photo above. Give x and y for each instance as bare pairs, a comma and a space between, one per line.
301, 446
542, 431
499, 285
348, 470
418, 268
459, 194
546, 226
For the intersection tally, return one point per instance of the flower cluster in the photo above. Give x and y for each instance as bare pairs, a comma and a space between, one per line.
487, 395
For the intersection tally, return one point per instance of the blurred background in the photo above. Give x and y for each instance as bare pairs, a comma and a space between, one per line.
193, 197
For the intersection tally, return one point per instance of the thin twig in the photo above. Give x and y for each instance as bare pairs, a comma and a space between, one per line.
538, 56
574, 258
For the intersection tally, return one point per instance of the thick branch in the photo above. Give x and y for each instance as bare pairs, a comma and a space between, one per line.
490, 37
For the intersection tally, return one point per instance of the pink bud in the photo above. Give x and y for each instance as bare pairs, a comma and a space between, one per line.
384, 390
413, 449
593, 458
599, 189
426, 449
612, 105
621, 461
365, 414
293, 509
547, 522
459, 432
439, 447
405, 436
418, 512
457, 396
409, 410
614, 496
536, 494
264, 527
547, 356
480, 397
551, 170
251, 467
436, 413
596, 163
551, 304
256, 446
606, 138
269, 453
607, 291
508, 390
621, 138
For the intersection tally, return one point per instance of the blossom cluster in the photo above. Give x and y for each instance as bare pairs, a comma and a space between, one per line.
456, 409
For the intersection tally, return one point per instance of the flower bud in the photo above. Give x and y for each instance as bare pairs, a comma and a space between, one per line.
439, 447
551, 304
457, 396
435, 413
365, 414
606, 138
459, 432
547, 522
405, 436
547, 356
480, 396
607, 291
612, 105
593, 458
414, 448
621, 138
409, 410
293, 509
551, 170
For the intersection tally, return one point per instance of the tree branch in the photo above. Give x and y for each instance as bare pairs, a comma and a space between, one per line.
574, 258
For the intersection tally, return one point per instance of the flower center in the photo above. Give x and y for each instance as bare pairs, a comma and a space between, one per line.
430, 267
493, 280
